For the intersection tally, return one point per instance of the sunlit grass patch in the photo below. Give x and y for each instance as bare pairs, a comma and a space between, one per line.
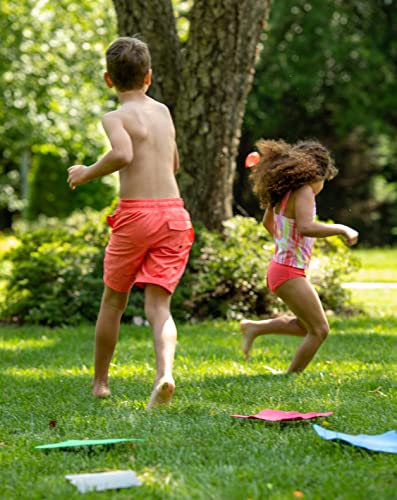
376, 302
377, 265
19, 344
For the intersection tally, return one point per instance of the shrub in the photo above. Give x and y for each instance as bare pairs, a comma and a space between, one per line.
50, 194
332, 262
228, 270
56, 272
54, 278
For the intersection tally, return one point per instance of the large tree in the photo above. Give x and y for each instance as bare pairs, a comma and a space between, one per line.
205, 82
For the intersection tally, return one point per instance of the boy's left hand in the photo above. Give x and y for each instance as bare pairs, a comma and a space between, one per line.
77, 175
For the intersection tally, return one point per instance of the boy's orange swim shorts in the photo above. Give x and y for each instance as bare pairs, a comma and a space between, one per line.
150, 243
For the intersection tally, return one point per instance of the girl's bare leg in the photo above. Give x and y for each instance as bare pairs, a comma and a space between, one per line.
302, 299
107, 331
284, 325
157, 309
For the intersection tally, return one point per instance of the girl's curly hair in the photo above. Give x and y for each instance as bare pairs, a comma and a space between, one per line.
287, 167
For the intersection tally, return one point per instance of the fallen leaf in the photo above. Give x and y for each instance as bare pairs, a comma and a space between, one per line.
378, 390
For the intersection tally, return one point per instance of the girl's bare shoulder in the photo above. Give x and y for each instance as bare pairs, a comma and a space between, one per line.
303, 194
304, 190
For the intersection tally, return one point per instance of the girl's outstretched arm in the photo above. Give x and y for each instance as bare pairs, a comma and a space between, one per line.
304, 205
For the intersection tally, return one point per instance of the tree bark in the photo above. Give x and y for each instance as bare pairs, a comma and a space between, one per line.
154, 22
205, 84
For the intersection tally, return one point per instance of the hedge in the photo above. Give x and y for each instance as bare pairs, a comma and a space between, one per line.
55, 273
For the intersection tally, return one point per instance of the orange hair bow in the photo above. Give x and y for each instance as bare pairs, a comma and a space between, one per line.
252, 159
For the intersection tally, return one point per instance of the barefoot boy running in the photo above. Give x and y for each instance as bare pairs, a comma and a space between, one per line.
151, 231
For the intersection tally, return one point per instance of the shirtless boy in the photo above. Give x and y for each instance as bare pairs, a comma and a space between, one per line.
151, 231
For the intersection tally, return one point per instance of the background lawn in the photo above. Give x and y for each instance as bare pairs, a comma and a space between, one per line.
380, 266
377, 265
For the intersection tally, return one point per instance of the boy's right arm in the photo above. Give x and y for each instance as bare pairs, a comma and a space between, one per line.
120, 155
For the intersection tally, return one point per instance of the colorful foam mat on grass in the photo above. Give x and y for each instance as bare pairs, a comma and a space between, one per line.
85, 442
104, 480
279, 415
386, 442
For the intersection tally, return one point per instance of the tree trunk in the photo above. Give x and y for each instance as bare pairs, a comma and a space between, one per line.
205, 85
154, 22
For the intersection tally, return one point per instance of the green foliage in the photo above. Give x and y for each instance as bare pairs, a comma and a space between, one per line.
230, 271
51, 65
332, 264
50, 195
327, 70
56, 273
327, 65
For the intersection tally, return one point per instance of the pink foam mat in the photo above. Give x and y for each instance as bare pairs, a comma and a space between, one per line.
279, 415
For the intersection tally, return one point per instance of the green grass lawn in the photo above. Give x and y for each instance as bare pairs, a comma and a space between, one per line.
379, 302
377, 264
194, 449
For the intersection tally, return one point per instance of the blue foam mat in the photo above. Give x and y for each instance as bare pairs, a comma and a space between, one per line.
386, 442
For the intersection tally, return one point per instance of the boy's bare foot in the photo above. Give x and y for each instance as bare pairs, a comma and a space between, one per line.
162, 394
100, 390
249, 335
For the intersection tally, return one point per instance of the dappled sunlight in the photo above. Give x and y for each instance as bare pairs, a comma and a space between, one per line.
131, 369
7, 243
19, 344
153, 476
40, 373
349, 370
81, 370
211, 368
30, 373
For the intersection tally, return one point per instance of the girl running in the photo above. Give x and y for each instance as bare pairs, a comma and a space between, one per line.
287, 178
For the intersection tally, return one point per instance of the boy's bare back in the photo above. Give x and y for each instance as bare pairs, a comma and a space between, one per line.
151, 172
141, 132
143, 150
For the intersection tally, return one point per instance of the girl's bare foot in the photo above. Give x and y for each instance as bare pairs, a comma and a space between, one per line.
162, 394
100, 390
248, 330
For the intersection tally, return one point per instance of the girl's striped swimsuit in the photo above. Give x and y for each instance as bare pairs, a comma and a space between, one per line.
292, 248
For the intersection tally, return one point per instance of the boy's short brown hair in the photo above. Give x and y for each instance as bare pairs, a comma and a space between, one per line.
127, 62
